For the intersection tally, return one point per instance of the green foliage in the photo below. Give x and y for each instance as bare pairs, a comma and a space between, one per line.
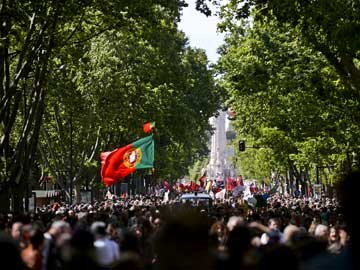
125, 77
258, 161
80, 77
288, 96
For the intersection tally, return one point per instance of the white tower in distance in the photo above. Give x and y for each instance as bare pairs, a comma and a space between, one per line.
218, 167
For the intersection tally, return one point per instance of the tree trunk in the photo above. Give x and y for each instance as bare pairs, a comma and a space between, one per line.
17, 196
77, 192
4, 199
288, 184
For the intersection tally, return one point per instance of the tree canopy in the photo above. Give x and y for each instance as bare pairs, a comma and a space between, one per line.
290, 71
80, 77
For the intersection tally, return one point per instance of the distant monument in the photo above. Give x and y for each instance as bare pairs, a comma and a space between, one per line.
219, 167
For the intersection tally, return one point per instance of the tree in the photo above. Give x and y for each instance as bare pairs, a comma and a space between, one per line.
120, 79
329, 28
35, 39
168, 84
286, 93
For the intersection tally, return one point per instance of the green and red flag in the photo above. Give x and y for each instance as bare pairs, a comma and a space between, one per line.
117, 164
202, 180
148, 127
209, 186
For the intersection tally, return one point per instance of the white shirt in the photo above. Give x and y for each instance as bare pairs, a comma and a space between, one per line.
107, 251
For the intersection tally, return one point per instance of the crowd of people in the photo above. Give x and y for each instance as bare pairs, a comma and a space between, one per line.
144, 232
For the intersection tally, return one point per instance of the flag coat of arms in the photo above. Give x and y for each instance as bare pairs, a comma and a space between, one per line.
119, 163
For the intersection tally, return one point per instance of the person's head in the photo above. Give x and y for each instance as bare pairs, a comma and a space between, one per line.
218, 229
112, 231
82, 240
184, 232
333, 234
239, 241
59, 227
36, 238
16, 231
137, 229
25, 233
274, 224
289, 232
322, 232
157, 222
343, 235
98, 228
234, 221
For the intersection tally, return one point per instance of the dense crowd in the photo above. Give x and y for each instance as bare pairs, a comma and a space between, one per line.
144, 232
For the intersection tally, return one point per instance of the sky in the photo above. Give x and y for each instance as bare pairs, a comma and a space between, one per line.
201, 31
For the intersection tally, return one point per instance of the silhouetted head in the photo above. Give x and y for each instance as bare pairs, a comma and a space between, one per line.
36, 238
182, 241
82, 240
279, 257
239, 241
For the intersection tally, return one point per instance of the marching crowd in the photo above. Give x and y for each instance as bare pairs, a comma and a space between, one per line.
144, 232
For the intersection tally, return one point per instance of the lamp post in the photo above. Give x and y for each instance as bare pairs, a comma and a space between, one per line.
70, 159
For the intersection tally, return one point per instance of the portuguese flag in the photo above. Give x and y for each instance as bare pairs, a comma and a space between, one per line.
148, 127
117, 164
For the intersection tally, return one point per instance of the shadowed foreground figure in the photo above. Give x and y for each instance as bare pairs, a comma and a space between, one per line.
10, 255
279, 257
82, 252
183, 243
129, 261
239, 246
347, 193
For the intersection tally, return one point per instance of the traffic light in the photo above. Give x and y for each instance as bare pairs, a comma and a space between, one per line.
241, 145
